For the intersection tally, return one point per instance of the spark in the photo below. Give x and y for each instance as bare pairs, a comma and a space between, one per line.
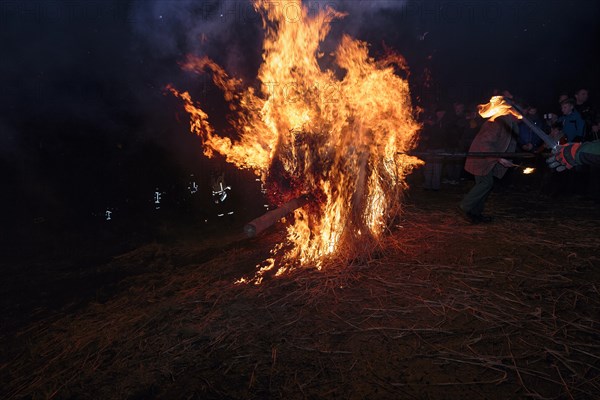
528, 171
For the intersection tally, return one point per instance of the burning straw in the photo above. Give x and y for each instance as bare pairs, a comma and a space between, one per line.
335, 134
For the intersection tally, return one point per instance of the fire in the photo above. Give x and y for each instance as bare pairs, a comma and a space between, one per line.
528, 170
339, 134
497, 107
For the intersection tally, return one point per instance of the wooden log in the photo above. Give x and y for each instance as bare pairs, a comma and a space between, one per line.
262, 223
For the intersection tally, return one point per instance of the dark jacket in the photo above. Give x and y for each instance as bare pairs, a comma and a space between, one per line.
588, 114
456, 127
435, 136
499, 136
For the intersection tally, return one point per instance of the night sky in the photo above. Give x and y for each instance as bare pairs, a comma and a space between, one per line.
85, 123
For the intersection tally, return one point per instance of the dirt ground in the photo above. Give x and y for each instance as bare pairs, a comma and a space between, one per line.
441, 310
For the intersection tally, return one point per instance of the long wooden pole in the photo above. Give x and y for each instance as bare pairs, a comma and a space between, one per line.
262, 223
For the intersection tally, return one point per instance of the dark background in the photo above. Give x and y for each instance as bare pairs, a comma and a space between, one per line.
85, 124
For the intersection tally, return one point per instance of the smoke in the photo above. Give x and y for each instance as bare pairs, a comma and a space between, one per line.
171, 29
361, 7
363, 17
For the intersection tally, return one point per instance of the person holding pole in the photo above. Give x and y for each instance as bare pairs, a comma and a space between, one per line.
498, 136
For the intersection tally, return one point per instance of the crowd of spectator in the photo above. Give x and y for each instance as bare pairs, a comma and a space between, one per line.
450, 131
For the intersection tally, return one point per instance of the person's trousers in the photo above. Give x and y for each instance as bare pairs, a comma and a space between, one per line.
474, 201
453, 169
433, 171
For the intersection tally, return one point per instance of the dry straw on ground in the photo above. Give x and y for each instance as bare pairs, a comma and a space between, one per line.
440, 310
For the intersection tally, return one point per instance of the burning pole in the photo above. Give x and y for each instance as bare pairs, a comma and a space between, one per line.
262, 223
500, 105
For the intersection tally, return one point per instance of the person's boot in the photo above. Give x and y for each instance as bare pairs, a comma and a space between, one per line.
468, 216
486, 219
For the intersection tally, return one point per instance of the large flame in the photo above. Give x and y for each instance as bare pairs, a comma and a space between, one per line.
338, 134
497, 107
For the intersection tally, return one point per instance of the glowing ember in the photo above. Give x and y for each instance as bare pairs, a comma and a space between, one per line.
497, 107
528, 171
335, 134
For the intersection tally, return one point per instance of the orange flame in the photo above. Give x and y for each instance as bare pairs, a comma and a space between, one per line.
528, 170
339, 134
497, 107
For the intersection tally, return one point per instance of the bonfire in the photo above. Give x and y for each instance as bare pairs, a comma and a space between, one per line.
336, 135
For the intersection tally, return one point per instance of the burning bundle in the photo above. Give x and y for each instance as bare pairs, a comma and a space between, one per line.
338, 135
500, 106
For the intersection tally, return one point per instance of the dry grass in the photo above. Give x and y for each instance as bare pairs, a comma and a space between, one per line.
440, 310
